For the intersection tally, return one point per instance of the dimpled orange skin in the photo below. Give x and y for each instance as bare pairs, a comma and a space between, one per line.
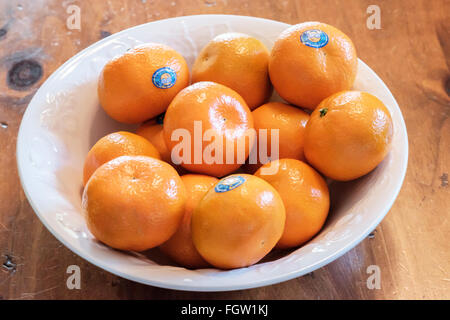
222, 111
237, 228
352, 136
125, 88
305, 76
134, 203
180, 246
114, 145
305, 196
239, 62
291, 123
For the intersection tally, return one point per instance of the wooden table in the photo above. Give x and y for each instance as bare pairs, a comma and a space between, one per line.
410, 53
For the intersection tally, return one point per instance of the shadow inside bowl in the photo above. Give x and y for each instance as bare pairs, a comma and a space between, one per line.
104, 125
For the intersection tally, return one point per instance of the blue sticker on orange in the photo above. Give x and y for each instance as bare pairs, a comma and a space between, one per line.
164, 78
229, 183
314, 38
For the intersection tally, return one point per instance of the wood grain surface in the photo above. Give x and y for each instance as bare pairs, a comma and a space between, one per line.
410, 53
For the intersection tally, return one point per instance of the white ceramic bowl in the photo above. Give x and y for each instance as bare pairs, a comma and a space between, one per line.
64, 120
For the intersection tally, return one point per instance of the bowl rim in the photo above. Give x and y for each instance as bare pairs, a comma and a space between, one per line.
192, 287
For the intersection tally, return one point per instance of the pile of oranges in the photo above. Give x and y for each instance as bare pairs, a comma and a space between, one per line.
227, 204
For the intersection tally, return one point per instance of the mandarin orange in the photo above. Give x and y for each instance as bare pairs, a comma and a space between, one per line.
239, 62
290, 123
348, 135
208, 128
139, 84
238, 221
310, 61
180, 246
134, 202
305, 196
114, 145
